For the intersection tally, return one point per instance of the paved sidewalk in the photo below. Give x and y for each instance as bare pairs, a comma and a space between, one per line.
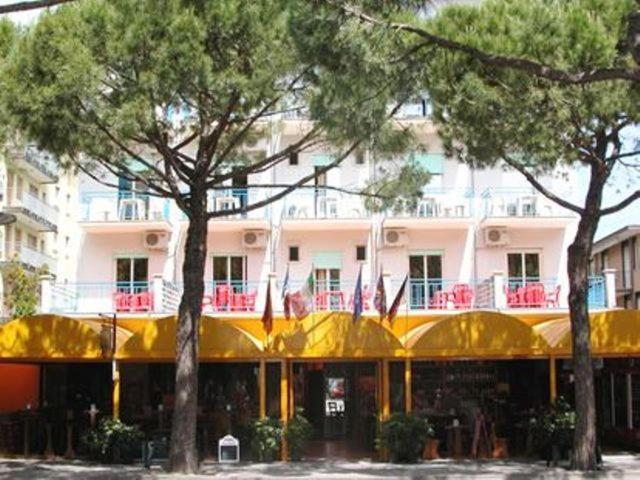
615, 467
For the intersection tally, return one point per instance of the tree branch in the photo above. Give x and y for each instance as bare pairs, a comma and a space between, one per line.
624, 203
24, 6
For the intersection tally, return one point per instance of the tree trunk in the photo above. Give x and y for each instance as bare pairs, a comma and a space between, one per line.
579, 254
183, 454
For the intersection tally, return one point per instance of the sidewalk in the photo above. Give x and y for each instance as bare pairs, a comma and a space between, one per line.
616, 467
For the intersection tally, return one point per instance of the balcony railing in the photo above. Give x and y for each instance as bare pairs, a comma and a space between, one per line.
43, 162
125, 206
228, 199
28, 256
102, 297
518, 202
439, 203
322, 203
33, 207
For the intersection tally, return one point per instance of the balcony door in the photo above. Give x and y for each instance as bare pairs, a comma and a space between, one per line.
425, 277
132, 274
133, 200
230, 270
523, 268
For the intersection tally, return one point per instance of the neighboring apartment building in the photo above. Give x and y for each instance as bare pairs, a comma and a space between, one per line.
43, 198
620, 250
476, 239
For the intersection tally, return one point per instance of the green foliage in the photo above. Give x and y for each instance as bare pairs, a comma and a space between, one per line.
113, 441
405, 435
21, 289
556, 425
297, 433
266, 438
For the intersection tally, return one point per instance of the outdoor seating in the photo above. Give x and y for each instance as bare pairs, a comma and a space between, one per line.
532, 295
133, 302
460, 297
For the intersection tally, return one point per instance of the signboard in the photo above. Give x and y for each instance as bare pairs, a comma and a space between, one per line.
228, 449
334, 397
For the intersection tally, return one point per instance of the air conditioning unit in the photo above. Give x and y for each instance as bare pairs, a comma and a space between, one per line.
254, 239
156, 240
496, 237
394, 237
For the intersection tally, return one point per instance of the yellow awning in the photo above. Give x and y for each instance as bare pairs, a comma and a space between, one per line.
219, 339
53, 337
616, 332
336, 335
474, 335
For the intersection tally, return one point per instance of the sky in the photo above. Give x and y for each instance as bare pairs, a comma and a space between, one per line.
618, 188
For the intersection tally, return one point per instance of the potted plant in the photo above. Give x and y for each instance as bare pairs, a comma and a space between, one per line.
554, 431
112, 441
266, 437
297, 433
404, 437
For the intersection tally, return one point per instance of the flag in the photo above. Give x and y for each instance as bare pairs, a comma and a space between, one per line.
357, 298
302, 300
380, 300
267, 316
286, 296
393, 311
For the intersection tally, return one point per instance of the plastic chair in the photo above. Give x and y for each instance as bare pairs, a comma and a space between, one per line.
462, 296
514, 297
250, 301
222, 295
535, 295
143, 301
439, 300
553, 298
122, 301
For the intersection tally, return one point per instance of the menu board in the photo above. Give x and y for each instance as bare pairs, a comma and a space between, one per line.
334, 396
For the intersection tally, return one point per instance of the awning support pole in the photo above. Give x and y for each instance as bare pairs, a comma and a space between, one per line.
385, 390
407, 386
115, 393
284, 402
553, 385
262, 387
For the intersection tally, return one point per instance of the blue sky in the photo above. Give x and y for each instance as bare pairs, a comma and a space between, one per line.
621, 184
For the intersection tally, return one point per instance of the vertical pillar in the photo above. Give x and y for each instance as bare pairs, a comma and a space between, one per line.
553, 382
158, 290
46, 293
115, 394
499, 296
385, 410
408, 394
609, 287
262, 387
613, 399
629, 403
284, 401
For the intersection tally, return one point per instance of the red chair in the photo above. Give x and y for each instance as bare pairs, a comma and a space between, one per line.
462, 296
122, 301
250, 301
330, 295
222, 297
237, 302
514, 297
142, 302
366, 298
321, 303
534, 295
553, 298
439, 300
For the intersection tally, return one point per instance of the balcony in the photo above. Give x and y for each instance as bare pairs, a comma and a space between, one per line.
303, 209
518, 206
39, 165
438, 208
234, 198
32, 211
102, 297
30, 257
123, 212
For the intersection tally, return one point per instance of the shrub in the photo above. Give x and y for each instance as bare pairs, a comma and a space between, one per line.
298, 433
404, 436
555, 427
113, 441
266, 436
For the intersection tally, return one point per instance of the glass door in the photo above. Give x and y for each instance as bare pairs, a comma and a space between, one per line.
523, 268
230, 270
425, 278
132, 274
328, 293
320, 194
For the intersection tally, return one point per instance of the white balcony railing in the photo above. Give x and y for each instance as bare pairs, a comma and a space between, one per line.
438, 203
519, 202
29, 256
32, 205
122, 207
323, 203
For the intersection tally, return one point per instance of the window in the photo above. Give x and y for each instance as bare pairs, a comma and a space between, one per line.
32, 242
626, 264
132, 274
425, 278
361, 253
42, 245
293, 158
294, 254
359, 157
523, 267
231, 270
33, 190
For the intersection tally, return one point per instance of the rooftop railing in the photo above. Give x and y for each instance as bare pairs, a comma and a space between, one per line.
123, 206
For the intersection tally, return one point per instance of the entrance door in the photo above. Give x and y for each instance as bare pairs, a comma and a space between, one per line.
230, 270
132, 274
425, 277
328, 280
523, 268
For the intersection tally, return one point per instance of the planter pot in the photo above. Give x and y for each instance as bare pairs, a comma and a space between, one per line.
500, 449
431, 449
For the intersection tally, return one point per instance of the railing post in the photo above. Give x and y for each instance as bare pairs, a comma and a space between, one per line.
158, 293
609, 287
46, 293
499, 296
